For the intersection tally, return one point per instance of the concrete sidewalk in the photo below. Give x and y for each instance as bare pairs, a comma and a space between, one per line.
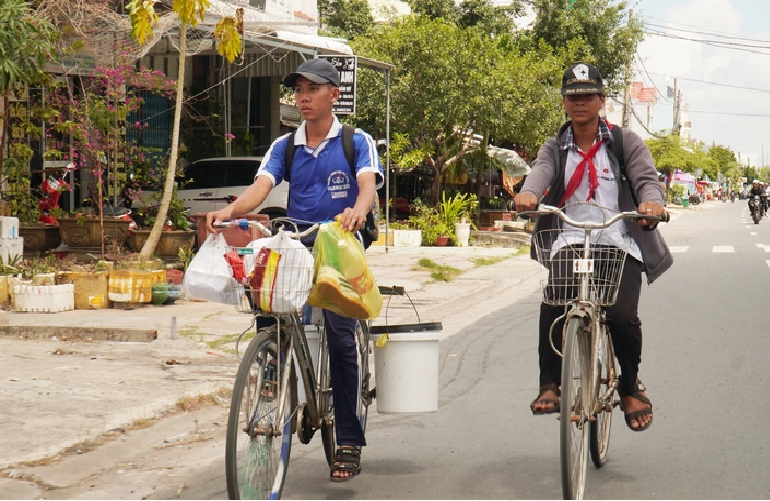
62, 392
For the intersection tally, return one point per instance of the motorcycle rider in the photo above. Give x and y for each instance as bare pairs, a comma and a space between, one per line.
756, 190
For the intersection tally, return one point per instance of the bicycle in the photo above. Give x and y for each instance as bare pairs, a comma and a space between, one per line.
265, 411
582, 273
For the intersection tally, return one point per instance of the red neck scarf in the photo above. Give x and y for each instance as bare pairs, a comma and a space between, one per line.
577, 176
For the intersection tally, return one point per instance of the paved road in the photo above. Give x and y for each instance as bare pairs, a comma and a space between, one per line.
704, 364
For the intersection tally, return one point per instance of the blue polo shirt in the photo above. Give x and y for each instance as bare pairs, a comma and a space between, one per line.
322, 185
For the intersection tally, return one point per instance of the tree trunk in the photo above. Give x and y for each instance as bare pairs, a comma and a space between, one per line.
152, 241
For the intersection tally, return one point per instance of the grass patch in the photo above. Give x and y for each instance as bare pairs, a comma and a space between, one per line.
439, 272
487, 261
230, 338
522, 249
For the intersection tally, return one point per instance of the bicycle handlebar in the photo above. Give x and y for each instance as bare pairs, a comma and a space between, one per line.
591, 225
245, 224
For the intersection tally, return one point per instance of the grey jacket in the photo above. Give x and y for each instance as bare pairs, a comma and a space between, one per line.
548, 174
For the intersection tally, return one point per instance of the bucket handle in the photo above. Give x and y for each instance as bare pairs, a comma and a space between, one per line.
390, 292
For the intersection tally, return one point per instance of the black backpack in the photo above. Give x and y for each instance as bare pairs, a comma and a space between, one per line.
370, 231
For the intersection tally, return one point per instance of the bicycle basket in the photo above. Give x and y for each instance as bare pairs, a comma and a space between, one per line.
563, 265
271, 280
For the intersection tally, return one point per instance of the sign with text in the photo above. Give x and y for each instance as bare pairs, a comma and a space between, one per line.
346, 66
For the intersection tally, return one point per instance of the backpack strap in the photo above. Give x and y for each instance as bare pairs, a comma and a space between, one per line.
348, 148
616, 148
288, 157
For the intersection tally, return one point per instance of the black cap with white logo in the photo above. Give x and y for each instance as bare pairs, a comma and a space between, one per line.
581, 78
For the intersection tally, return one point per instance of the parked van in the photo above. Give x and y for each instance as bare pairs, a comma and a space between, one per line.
216, 182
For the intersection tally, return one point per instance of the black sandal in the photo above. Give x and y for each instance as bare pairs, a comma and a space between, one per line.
555, 403
641, 412
346, 460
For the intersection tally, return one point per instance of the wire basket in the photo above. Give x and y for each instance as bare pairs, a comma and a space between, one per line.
275, 281
564, 266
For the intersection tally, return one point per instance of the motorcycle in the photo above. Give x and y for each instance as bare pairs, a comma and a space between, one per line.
756, 209
694, 199
732, 197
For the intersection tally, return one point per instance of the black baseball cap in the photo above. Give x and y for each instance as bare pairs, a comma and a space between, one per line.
581, 78
319, 71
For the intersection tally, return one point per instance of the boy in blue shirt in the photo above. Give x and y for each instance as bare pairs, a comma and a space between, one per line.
322, 188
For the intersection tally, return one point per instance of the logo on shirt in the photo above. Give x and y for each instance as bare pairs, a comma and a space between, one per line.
338, 184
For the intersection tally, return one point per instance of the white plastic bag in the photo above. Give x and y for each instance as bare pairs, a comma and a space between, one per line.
209, 276
280, 282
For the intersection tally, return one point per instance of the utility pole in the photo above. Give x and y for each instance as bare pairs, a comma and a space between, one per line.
675, 129
627, 91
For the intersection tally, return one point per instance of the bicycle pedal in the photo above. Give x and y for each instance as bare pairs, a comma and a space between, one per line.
616, 403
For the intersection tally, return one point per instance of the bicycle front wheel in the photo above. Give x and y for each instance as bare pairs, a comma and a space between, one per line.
575, 377
600, 429
259, 428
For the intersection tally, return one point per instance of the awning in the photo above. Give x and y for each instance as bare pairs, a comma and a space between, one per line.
512, 164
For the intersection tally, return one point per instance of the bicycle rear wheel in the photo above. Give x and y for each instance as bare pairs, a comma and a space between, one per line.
327, 427
600, 429
574, 411
258, 444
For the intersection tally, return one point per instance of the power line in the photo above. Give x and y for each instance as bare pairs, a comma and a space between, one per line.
719, 84
734, 114
717, 44
710, 33
662, 96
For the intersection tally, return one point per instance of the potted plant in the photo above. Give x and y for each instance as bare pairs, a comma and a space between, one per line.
176, 232
456, 211
90, 281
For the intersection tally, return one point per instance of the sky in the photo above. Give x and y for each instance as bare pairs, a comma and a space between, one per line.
738, 118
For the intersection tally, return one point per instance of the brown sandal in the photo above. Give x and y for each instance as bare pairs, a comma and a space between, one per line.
556, 407
641, 412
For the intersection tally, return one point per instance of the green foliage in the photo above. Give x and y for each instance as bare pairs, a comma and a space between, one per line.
26, 44
186, 255
675, 192
176, 217
671, 153
346, 18
430, 221
600, 31
441, 91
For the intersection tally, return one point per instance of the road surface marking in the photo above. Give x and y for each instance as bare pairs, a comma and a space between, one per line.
679, 249
768, 264
753, 233
723, 248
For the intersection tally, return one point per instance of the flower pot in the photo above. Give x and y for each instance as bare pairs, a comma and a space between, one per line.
407, 238
174, 293
168, 245
40, 238
159, 293
463, 232
441, 241
86, 236
174, 277
91, 288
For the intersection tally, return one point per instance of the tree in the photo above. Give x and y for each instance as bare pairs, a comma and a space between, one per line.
26, 44
452, 88
346, 18
670, 155
435, 9
189, 12
607, 36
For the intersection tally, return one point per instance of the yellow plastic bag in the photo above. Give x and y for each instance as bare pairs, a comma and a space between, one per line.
343, 282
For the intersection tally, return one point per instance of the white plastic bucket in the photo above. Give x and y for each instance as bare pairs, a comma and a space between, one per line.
463, 233
406, 368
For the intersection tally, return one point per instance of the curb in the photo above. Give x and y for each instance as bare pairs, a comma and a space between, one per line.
70, 333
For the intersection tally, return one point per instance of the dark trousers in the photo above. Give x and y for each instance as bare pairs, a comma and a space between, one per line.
343, 365
343, 368
622, 320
